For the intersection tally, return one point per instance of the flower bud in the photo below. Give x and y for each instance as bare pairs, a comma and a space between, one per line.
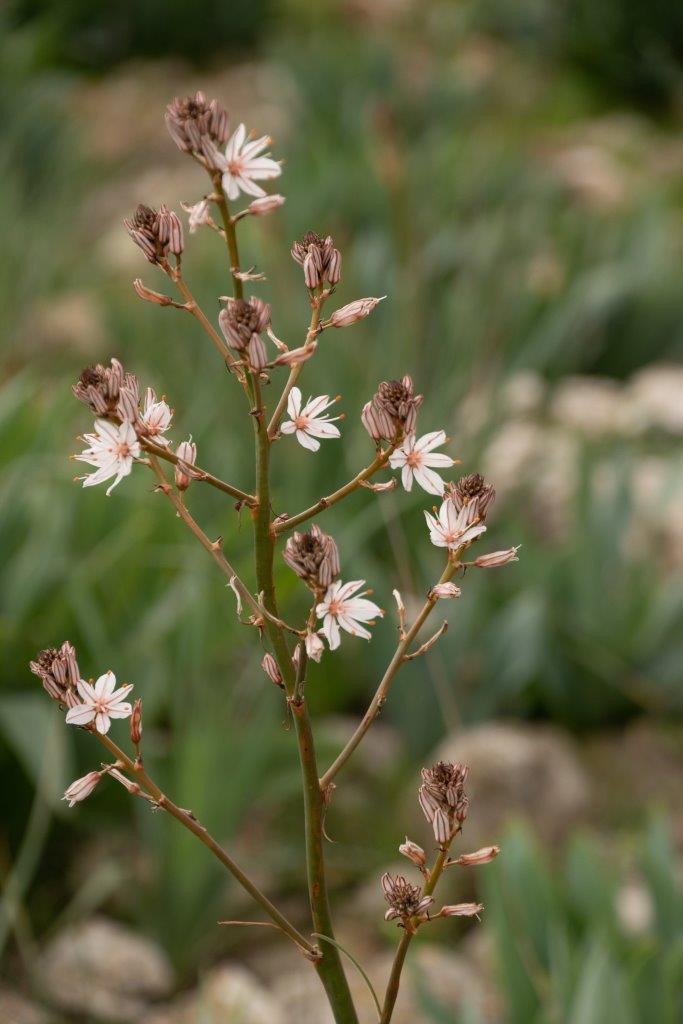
136, 723
127, 783
461, 910
472, 492
151, 296
297, 356
58, 671
314, 646
266, 204
413, 852
497, 558
446, 590
354, 311
483, 856
82, 788
392, 410
269, 666
187, 455
313, 556
320, 260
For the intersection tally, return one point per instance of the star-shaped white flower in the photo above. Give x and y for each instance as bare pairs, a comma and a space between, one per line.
112, 450
309, 423
156, 417
341, 608
244, 165
101, 703
416, 459
452, 529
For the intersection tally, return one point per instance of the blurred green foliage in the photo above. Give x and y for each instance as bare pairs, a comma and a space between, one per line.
430, 151
567, 947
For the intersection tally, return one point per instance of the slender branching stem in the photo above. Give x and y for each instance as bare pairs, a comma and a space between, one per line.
213, 547
399, 958
317, 302
186, 818
329, 966
379, 699
230, 237
199, 474
380, 460
193, 307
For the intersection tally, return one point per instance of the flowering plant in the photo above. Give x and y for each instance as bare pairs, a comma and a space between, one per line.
131, 430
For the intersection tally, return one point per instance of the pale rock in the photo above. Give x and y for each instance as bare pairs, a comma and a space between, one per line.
105, 970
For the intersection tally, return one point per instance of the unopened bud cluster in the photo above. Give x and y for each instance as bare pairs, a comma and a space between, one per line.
320, 260
405, 900
157, 233
58, 671
314, 557
392, 411
199, 128
107, 390
442, 798
242, 324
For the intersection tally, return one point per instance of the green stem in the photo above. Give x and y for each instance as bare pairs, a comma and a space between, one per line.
136, 771
329, 967
399, 959
377, 702
230, 237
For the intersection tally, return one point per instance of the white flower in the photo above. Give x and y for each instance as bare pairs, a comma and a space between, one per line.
451, 529
199, 214
82, 788
101, 703
416, 459
156, 417
446, 590
112, 450
309, 423
244, 166
341, 608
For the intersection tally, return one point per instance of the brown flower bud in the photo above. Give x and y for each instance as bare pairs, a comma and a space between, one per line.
82, 788
199, 128
269, 666
151, 296
442, 798
320, 260
156, 233
187, 456
314, 557
392, 412
461, 910
494, 559
242, 323
99, 388
413, 852
354, 311
405, 899
58, 670
266, 204
472, 492
136, 723
483, 856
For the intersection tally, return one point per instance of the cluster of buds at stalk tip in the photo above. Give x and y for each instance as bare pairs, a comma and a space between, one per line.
469, 490
57, 668
242, 324
314, 557
320, 260
442, 799
392, 411
107, 390
156, 232
187, 456
199, 128
406, 902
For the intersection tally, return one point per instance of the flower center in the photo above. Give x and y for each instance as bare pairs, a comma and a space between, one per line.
235, 166
122, 449
334, 608
301, 422
413, 459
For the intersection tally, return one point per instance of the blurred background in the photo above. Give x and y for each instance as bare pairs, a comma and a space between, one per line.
509, 174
